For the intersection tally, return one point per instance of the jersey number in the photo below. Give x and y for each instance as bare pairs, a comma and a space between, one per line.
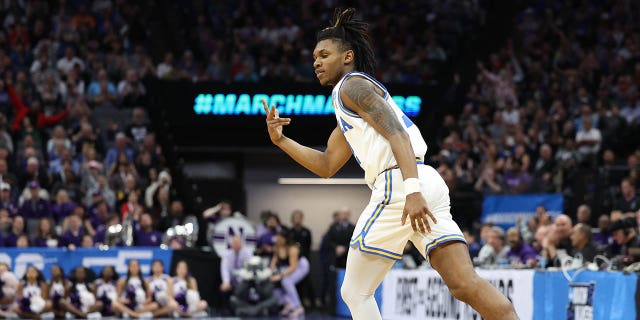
345, 126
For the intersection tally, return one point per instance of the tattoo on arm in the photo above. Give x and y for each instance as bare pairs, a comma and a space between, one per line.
368, 98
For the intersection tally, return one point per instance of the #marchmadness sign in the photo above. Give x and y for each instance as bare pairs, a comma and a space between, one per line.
240, 104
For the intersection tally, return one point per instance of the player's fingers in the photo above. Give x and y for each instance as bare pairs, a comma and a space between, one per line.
419, 222
426, 223
266, 108
430, 214
274, 112
404, 217
413, 224
279, 122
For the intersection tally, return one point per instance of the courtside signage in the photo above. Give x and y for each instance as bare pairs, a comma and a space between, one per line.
242, 104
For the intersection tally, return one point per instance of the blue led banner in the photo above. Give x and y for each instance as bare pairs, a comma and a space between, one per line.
96, 259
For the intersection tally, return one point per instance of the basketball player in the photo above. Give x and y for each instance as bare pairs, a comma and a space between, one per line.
390, 149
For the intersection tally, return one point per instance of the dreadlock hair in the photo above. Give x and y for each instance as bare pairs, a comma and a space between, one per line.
352, 35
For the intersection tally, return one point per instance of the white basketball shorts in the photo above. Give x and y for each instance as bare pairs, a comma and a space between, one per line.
379, 229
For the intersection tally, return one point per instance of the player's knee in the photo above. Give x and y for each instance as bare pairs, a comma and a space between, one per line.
464, 289
348, 294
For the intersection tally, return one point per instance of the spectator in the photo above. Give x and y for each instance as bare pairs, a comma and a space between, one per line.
59, 137
120, 147
495, 251
474, 246
589, 139
34, 173
69, 61
602, 237
299, 233
232, 261
264, 248
7, 177
100, 237
302, 236
289, 268
520, 253
102, 190
163, 181
63, 206
583, 215
488, 183
46, 235
5, 199
5, 223
87, 241
544, 169
581, 242
131, 89
166, 67
35, 208
175, 217
131, 207
628, 201
339, 237
138, 129
72, 237
98, 215
557, 243
516, 180
17, 230
624, 235
145, 235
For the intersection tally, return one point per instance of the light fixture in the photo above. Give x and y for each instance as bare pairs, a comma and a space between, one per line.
317, 181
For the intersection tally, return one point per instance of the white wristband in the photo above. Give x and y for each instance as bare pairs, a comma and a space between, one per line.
411, 185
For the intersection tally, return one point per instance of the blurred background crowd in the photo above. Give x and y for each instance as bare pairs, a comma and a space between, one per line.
555, 109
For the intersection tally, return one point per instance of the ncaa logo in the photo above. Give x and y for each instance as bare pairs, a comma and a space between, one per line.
220, 234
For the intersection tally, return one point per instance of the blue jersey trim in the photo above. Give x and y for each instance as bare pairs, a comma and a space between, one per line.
348, 111
359, 240
443, 239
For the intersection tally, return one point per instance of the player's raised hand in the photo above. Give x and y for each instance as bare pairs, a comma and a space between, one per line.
274, 122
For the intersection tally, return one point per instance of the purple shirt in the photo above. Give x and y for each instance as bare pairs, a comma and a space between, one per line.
69, 238
152, 238
35, 209
11, 240
601, 239
61, 211
11, 206
524, 253
40, 242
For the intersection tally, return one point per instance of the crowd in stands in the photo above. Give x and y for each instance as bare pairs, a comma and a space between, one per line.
559, 99
256, 40
555, 110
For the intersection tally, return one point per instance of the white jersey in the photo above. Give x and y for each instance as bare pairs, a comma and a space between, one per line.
158, 284
31, 290
106, 290
57, 289
372, 150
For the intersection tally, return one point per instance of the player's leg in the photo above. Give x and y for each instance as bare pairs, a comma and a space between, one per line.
364, 274
453, 263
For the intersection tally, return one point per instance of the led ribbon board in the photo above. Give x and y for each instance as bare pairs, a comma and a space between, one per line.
232, 104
